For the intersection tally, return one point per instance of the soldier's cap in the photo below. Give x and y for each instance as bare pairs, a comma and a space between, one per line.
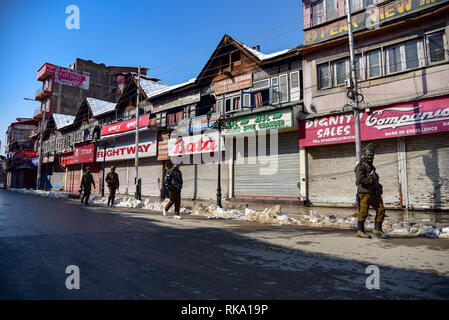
88, 168
113, 168
370, 148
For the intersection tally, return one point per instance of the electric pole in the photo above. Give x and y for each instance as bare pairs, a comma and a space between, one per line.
358, 142
136, 161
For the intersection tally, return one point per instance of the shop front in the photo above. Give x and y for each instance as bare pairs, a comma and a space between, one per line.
265, 159
76, 162
412, 157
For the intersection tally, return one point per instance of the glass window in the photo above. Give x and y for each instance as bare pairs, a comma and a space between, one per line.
340, 71
317, 12
436, 47
283, 87
331, 9
323, 76
411, 54
294, 86
374, 63
394, 59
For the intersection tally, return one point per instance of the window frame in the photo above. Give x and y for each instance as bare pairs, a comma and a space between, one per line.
426, 47
329, 74
293, 90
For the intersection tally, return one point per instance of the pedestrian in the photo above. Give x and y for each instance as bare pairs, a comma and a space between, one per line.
113, 185
86, 181
173, 180
369, 191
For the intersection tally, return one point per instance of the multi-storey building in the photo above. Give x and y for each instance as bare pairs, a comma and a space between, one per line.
402, 66
20, 152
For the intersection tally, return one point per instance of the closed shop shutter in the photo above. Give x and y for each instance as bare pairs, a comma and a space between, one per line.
428, 171
284, 182
200, 181
150, 170
57, 177
332, 179
74, 177
121, 168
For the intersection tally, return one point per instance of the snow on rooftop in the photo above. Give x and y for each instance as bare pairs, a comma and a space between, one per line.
63, 120
155, 89
99, 107
263, 56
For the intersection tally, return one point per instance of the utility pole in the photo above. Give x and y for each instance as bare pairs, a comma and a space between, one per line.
136, 161
358, 142
41, 138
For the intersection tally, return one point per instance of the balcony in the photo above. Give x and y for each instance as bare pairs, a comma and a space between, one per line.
46, 71
42, 94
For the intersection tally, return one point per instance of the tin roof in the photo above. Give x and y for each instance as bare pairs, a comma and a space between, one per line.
99, 107
63, 120
151, 87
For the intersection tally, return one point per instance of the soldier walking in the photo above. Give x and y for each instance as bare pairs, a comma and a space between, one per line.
86, 181
369, 192
113, 184
173, 180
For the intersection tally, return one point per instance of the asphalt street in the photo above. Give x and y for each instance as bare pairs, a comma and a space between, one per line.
135, 254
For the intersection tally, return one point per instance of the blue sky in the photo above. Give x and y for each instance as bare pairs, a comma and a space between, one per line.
154, 34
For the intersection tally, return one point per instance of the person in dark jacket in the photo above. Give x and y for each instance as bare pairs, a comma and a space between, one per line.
86, 181
369, 191
113, 185
173, 181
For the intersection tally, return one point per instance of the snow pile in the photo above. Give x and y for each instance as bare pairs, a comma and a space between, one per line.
269, 215
50, 194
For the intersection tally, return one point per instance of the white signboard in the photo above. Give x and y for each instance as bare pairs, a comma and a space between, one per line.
127, 149
200, 143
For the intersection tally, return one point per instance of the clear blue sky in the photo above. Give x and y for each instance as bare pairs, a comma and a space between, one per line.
154, 34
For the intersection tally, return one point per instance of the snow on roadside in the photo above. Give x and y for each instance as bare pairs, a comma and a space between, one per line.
272, 215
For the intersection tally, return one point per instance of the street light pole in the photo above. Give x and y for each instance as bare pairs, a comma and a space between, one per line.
358, 143
221, 123
136, 161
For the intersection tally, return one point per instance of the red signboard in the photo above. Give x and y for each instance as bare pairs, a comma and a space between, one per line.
47, 68
125, 126
405, 119
84, 154
67, 158
72, 78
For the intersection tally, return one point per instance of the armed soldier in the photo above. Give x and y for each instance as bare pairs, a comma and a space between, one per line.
86, 181
113, 185
369, 191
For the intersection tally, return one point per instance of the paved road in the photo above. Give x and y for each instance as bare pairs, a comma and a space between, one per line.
136, 254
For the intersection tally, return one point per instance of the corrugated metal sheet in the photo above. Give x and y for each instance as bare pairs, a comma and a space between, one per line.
150, 87
200, 181
251, 180
428, 171
99, 107
63, 120
332, 178
150, 170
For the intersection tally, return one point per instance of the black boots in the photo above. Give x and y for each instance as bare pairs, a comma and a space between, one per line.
378, 231
361, 230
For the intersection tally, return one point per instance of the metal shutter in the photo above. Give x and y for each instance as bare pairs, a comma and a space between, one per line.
332, 178
428, 171
248, 180
150, 170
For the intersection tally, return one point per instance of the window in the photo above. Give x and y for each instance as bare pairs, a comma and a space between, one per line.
317, 12
294, 86
283, 87
435, 47
261, 84
394, 63
356, 5
228, 105
275, 90
246, 100
340, 71
373, 63
411, 54
331, 9
358, 69
219, 107
323, 76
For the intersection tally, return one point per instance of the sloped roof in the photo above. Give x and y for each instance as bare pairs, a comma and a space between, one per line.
63, 120
99, 107
170, 88
262, 56
151, 87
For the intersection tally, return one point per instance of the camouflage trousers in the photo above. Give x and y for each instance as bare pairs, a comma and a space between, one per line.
111, 197
175, 198
373, 200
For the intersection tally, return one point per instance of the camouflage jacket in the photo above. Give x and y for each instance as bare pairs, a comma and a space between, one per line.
86, 181
112, 180
173, 179
366, 178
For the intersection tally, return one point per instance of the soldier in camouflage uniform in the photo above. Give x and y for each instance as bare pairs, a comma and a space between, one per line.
369, 191
173, 180
113, 185
86, 181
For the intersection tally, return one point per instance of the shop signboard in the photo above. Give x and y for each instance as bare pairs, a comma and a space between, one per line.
196, 124
400, 120
275, 119
84, 154
125, 148
234, 84
125, 126
200, 143
72, 78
